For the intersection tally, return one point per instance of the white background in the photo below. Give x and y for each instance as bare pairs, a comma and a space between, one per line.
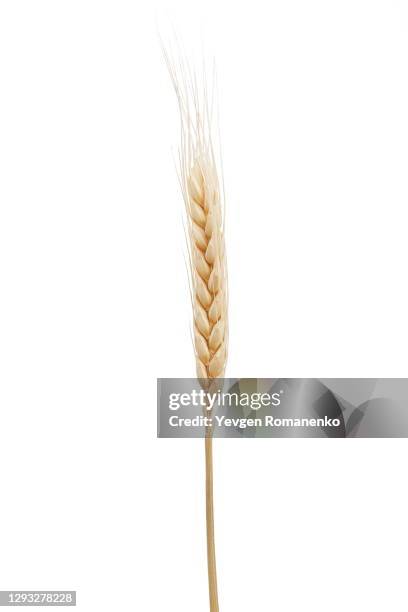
94, 301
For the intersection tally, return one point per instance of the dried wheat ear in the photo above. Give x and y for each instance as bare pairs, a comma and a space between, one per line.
208, 268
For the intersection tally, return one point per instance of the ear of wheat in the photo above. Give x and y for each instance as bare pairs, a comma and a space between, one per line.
207, 267
203, 198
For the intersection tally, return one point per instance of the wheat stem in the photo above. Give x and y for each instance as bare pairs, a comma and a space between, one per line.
209, 497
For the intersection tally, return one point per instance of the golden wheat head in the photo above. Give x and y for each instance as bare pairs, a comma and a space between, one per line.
203, 197
208, 269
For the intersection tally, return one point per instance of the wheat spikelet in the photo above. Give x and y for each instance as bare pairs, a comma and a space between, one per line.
201, 188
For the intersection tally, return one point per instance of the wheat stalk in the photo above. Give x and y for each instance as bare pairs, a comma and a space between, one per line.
201, 188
